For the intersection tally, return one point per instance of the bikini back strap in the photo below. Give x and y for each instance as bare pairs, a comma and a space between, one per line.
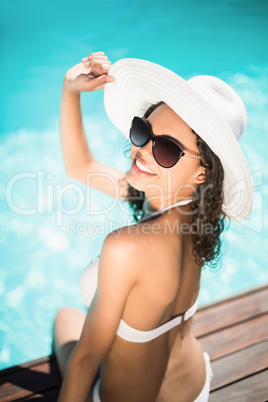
130, 334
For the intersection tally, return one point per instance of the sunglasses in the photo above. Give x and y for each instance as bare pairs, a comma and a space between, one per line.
166, 151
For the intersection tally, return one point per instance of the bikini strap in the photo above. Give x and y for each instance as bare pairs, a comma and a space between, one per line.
177, 204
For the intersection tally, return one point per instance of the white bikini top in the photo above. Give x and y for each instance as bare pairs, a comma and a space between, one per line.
131, 334
125, 331
160, 212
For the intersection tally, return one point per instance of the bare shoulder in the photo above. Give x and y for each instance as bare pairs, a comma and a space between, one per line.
135, 244
122, 243
120, 261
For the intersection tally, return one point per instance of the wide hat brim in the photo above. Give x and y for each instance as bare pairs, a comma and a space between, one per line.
139, 83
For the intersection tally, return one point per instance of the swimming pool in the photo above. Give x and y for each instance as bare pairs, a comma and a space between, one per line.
48, 232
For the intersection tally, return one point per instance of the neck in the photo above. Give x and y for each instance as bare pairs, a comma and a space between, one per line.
148, 210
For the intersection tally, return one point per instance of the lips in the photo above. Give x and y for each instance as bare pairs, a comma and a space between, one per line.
141, 168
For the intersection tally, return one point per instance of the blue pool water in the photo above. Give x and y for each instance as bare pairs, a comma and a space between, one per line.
46, 224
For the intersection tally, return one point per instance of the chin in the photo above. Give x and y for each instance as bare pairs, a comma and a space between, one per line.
134, 182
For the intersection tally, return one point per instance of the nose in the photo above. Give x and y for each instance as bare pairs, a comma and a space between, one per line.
147, 149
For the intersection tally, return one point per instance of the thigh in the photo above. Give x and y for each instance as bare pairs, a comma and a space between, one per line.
66, 332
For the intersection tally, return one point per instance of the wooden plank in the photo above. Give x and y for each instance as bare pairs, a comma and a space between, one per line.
229, 331
49, 396
29, 381
239, 365
237, 337
226, 313
32, 363
235, 296
250, 389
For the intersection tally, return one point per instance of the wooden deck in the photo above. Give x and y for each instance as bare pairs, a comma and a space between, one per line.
233, 331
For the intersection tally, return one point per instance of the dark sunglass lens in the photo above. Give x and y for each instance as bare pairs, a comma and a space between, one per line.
139, 132
166, 153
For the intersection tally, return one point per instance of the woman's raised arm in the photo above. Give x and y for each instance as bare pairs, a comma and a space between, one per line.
90, 75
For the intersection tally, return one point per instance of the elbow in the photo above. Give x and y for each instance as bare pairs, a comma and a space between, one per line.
79, 172
70, 172
73, 173
86, 361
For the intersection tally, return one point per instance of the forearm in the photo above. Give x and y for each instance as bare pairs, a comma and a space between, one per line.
76, 152
78, 379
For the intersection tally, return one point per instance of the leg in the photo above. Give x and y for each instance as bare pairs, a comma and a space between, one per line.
67, 330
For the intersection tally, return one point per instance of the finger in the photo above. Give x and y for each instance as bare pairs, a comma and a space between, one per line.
106, 66
99, 82
96, 54
98, 69
103, 58
100, 87
76, 70
108, 80
99, 62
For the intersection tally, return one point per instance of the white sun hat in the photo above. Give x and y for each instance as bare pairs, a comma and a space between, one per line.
207, 104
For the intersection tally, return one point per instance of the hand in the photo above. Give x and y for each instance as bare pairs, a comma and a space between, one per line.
90, 75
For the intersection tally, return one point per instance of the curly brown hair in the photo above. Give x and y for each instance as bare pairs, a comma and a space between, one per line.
207, 216
207, 208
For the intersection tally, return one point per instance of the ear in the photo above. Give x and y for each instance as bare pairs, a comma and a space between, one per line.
200, 175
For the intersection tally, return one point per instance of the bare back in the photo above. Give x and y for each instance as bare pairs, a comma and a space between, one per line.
168, 285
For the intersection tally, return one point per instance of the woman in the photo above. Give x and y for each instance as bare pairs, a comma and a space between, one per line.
187, 173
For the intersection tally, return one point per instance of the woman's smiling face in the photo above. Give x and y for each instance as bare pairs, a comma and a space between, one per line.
163, 186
